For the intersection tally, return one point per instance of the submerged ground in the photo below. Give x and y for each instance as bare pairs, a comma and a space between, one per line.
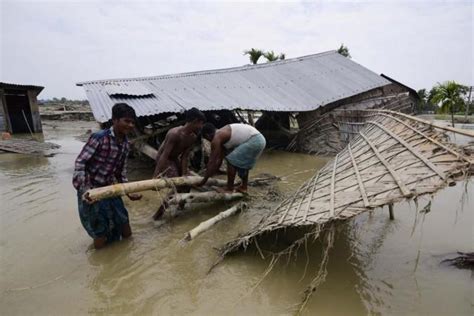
377, 265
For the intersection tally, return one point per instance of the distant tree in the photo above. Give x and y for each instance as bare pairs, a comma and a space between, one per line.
270, 56
449, 96
282, 56
423, 95
254, 54
344, 51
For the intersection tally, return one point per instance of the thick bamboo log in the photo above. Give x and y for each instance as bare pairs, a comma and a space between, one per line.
120, 189
197, 197
206, 225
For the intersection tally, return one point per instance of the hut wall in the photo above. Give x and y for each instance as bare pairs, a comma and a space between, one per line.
35, 114
3, 114
385, 91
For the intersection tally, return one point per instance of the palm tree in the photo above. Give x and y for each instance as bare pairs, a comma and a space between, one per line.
448, 95
270, 56
254, 55
344, 51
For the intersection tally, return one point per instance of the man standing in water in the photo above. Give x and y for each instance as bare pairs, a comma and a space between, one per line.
173, 154
245, 144
102, 162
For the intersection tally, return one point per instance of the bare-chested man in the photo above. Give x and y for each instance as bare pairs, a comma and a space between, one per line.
172, 158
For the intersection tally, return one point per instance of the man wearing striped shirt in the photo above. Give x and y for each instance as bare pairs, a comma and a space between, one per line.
102, 162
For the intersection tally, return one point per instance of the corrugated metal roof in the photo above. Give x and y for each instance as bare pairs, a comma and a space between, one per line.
6, 85
297, 84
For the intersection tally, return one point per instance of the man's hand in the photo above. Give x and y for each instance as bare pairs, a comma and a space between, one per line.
87, 198
134, 196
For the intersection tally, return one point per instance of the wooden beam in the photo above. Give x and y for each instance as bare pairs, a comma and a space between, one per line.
200, 197
206, 225
120, 189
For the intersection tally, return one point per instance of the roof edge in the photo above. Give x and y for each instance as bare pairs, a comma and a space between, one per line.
20, 86
212, 71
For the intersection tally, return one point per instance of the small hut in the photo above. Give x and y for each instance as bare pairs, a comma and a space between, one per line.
19, 112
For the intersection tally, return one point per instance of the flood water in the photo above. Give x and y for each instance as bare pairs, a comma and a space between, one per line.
377, 266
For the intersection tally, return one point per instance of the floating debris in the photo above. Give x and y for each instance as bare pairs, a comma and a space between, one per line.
24, 146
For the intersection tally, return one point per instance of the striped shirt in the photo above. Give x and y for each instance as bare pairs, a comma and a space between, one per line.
101, 162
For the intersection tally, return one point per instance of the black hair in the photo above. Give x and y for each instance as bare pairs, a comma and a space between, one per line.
120, 110
208, 129
194, 114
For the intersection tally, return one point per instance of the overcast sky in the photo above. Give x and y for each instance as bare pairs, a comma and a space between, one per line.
58, 43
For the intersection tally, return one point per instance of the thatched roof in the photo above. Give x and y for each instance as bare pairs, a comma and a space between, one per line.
391, 156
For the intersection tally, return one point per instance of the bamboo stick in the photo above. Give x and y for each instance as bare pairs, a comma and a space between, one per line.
333, 184
359, 180
120, 189
412, 150
206, 225
197, 197
446, 128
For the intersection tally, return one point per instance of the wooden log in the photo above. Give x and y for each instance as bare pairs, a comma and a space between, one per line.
206, 225
147, 150
196, 197
120, 189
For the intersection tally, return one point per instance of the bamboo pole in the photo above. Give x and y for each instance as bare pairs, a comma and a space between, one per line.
120, 189
390, 211
210, 196
206, 225
446, 128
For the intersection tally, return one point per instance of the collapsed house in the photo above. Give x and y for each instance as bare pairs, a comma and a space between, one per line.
283, 95
19, 112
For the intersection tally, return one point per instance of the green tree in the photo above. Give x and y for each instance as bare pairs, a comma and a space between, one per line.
270, 56
423, 100
344, 51
254, 54
448, 95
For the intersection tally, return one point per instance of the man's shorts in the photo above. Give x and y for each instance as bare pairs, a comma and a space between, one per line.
104, 218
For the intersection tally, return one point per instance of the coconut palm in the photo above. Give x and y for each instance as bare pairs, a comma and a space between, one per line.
448, 95
270, 56
344, 51
254, 55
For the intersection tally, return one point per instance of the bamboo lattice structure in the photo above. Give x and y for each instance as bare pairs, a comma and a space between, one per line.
390, 156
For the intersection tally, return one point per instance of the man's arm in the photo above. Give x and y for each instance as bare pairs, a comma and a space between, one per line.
185, 160
79, 177
215, 160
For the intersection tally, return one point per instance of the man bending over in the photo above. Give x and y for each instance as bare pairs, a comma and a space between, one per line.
245, 144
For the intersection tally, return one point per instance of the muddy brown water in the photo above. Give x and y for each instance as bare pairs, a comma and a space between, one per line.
377, 266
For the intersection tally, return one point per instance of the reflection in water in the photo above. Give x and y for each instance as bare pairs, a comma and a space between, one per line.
371, 268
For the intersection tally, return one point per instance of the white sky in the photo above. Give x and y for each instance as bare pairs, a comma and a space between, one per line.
58, 43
